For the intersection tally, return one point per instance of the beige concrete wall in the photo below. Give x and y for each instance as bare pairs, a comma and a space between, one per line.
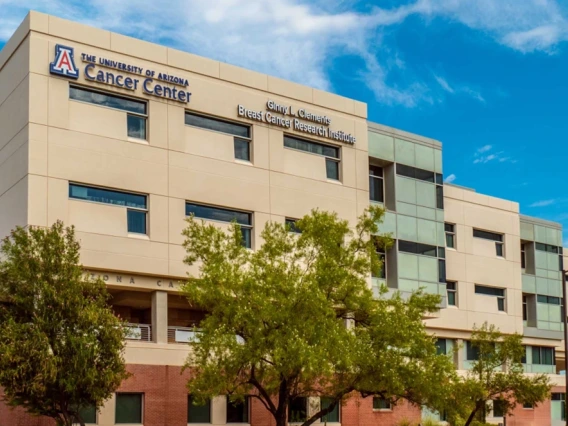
88, 144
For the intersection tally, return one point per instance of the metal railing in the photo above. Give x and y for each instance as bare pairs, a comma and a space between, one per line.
183, 335
142, 332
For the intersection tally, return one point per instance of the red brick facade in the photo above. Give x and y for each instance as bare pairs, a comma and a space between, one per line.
165, 404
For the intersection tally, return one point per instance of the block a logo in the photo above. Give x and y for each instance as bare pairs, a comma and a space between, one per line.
64, 64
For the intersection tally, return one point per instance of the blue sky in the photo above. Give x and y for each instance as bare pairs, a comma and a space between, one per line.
485, 77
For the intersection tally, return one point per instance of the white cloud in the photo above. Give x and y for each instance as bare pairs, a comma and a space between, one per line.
543, 203
450, 178
485, 154
484, 148
299, 40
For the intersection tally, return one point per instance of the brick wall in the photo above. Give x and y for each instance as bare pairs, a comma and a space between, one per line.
359, 411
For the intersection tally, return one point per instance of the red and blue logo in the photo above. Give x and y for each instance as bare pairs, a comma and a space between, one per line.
64, 64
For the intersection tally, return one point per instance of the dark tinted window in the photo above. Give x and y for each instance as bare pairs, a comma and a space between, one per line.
375, 171
548, 299
449, 227
88, 414
417, 248
487, 235
472, 352
439, 179
498, 408
128, 408
425, 175
546, 247
441, 270
441, 346
440, 197
332, 169
217, 213
489, 291
333, 415
242, 149
420, 174
406, 171
381, 403
106, 99
542, 355
211, 123
198, 413
291, 223
297, 410
237, 412
107, 196
313, 147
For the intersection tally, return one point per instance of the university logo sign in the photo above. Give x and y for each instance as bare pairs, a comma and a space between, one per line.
64, 64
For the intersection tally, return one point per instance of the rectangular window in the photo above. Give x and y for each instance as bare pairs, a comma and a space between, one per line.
88, 414
298, 410
441, 346
561, 397
452, 291
543, 356
440, 197
472, 352
551, 300
523, 257
415, 173
331, 153
376, 184
417, 248
546, 247
525, 309
241, 132
198, 413
381, 403
128, 408
528, 406
244, 219
238, 412
493, 291
487, 235
441, 271
450, 235
136, 204
333, 416
499, 249
137, 111
291, 225
498, 408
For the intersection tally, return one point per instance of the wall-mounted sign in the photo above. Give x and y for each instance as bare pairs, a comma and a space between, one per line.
150, 82
300, 120
117, 279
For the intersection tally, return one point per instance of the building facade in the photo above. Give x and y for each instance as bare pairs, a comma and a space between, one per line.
124, 139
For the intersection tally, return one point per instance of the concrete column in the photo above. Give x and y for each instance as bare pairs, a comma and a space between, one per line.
160, 317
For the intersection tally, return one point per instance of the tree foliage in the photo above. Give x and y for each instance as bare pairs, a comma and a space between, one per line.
61, 345
497, 374
276, 324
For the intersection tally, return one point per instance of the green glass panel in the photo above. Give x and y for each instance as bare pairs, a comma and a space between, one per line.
405, 190
128, 408
89, 414
541, 273
406, 228
542, 312
406, 209
553, 262
551, 237
404, 152
540, 234
424, 157
541, 285
427, 231
428, 269
529, 283
426, 213
541, 260
381, 146
438, 160
441, 238
407, 285
554, 313
408, 266
198, 413
426, 194
389, 224
527, 231
440, 215
430, 288
554, 288
554, 275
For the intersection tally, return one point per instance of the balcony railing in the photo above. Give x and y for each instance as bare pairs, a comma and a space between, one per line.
183, 335
142, 332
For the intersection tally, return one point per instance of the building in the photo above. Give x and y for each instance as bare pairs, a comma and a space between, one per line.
124, 138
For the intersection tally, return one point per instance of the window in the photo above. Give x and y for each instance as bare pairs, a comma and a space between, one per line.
498, 408
441, 346
486, 235
452, 292
441, 270
528, 406
291, 224
543, 355
560, 399
381, 403
551, 300
136, 204
333, 415
331, 153
88, 414
440, 197
450, 235
546, 247
376, 183
298, 410
523, 257
136, 111
417, 248
241, 132
472, 352
244, 219
525, 309
425, 175
383, 258
128, 408
198, 413
493, 291
238, 412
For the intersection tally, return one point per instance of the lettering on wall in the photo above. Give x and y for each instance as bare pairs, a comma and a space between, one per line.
300, 120
135, 281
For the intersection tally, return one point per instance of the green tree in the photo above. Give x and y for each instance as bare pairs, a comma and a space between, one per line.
497, 374
297, 318
61, 346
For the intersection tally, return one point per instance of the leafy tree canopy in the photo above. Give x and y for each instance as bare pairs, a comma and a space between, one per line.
61, 345
298, 318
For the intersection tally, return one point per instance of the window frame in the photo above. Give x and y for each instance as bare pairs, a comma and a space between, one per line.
501, 411
291, 224
141, 394
246, 403
450, 233
337, 159
144, 115
324, 419
306, 408
236, 137
379, 400
542, 355
128, 208
189, 404
376, 178
453, 291
501, 298
249, 227
523, 256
